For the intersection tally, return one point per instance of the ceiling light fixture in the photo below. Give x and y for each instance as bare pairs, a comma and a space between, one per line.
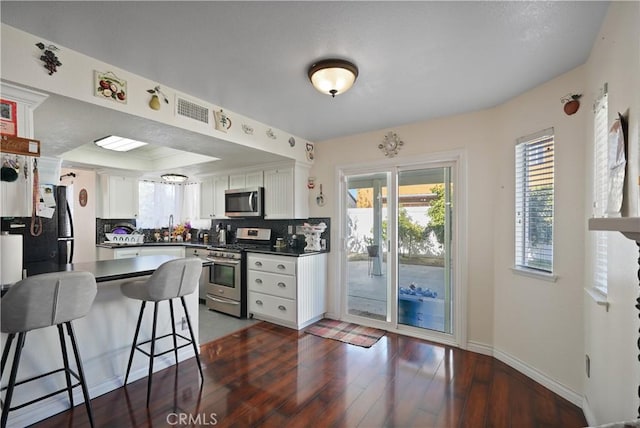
174, 178
333, 76
118, 144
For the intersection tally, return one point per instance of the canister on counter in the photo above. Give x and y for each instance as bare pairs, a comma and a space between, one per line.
205, 238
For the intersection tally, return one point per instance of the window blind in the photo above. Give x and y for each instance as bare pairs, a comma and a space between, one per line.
600, 188
534, 163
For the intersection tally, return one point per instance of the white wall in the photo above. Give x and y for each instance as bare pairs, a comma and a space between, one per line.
84, 218
541, 328
610, 337
470, 133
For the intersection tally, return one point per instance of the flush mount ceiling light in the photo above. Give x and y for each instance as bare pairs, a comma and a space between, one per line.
174, 178
118, 144
333, 76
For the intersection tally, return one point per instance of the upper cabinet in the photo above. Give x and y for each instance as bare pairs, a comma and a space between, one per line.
119, 197
286, 193
243, 181
15, 196
212, 196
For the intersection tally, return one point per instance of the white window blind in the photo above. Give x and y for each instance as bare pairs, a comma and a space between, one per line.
600, 188
534, 201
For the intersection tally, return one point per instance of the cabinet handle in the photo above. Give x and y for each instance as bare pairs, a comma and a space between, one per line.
282, 308
282, 285
259, 302
281, 266
258, 263
258, 281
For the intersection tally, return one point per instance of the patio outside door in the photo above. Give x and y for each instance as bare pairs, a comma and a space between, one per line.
398, 251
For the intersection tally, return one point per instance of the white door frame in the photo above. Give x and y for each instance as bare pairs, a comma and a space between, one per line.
457, 160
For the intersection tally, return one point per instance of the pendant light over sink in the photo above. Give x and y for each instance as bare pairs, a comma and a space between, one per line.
333, 76
174, 178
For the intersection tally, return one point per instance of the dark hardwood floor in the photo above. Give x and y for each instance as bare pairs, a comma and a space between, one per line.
272, 376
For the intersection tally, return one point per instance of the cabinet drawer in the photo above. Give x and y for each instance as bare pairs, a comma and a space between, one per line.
266, 263
271, 283
271, 306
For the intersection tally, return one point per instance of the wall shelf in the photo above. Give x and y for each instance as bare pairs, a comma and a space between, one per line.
628, 226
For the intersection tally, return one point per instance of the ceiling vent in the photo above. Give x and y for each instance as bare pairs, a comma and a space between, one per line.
186, 108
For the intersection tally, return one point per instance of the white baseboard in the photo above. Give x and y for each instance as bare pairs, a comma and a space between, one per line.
531, 372
535, 374
60, 403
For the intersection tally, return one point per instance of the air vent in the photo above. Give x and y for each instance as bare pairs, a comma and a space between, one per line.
192, 110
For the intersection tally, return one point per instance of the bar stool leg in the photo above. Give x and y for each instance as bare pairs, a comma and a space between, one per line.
5, 353
12, 379
173, 329
135, 340
65, 360
153, 343
83, 380
193, 339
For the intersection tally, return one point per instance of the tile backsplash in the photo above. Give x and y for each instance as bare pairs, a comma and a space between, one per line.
279, 228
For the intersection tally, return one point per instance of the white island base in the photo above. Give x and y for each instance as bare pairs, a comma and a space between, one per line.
104, 339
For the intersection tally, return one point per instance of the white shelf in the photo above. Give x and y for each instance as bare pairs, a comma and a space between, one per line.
628, 226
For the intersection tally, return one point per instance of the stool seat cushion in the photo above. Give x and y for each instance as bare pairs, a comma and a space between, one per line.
48, 299
175, 278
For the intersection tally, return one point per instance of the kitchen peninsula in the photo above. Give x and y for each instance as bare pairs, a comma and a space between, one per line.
104, 337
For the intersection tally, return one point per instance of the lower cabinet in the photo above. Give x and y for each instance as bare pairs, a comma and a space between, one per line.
123, 253
290, 291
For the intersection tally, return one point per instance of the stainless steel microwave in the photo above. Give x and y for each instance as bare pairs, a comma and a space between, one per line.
244, 202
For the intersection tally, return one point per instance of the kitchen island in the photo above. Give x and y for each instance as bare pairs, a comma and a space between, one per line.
104, 338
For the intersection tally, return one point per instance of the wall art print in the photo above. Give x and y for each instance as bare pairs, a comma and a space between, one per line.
8, 118
108, 85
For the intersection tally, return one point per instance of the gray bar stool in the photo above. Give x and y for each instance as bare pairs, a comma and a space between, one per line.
42, 301
173, 279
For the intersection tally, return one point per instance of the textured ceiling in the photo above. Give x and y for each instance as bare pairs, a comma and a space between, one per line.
417, 60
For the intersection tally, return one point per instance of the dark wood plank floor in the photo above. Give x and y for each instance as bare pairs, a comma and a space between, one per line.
272, 376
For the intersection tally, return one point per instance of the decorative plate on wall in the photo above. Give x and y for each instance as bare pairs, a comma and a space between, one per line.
108, 85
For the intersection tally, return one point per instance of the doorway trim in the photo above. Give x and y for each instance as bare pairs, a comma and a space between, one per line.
459, 245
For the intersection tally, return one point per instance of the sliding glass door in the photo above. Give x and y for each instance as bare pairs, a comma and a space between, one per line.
398, 227
424, 244
366, 246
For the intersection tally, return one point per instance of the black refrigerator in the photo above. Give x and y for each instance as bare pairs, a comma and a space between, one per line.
55, 244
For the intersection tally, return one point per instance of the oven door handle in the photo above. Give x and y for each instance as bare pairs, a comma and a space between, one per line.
224, 262
228, 302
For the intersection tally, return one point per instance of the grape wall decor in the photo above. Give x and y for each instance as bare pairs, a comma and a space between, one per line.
51, 61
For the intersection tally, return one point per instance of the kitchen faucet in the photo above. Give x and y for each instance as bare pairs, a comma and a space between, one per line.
170, 227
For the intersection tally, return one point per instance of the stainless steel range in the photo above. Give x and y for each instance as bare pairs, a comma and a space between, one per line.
225, 282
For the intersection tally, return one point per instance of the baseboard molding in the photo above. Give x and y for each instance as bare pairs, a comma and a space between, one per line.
480, 348
531, 372
535, 374
60, 403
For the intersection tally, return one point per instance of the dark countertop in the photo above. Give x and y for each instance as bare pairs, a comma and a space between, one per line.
285, 252
107, 270
272, 250
154, 244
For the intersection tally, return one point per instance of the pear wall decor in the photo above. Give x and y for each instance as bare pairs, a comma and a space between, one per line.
156, 93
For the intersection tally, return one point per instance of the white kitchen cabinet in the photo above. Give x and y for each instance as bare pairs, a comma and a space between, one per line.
119, 196
195, 252
246, 180
16, 196
285, 193
212, 196
124, 253
288, 291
